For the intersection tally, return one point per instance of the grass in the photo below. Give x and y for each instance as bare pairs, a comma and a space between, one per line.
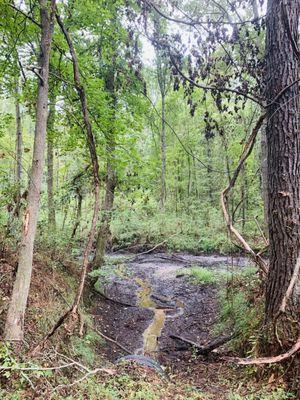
277, 394
201, 276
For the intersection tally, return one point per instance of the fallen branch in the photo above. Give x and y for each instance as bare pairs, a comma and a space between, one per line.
108, 371
16, 368
224, 198
155, 247
109, 339
204, 350
267, 360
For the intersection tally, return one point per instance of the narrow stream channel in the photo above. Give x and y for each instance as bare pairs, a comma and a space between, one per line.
153, 332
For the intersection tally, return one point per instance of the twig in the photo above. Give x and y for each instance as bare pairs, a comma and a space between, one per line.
155, 247
92, 372
15, 367
261, 232
109, 339
291, 286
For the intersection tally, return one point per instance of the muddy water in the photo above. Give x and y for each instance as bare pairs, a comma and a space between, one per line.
167, 302
153, 332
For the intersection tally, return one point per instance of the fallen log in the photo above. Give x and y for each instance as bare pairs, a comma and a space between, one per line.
204, 350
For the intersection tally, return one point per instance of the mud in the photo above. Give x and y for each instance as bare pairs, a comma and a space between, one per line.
165, 302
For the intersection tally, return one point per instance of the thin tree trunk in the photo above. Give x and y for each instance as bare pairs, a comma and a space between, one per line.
209, 170
50, 165
283, 143
94, 158
104, 230
78, 213
19, 139
111, 177
163, 190
14, 327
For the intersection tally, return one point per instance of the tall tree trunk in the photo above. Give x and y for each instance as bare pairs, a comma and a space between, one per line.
19, 140
14, 327
209, 170
50, 165
283, 143
163, 190
111, 176
104, 230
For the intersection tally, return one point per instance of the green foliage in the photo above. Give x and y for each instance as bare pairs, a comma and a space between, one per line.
238, 313
200, 275
144, 225
85, 347
277, 394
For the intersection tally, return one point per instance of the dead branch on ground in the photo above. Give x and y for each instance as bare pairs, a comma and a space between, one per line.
205, 350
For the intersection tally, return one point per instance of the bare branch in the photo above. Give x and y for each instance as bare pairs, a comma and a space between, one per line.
194, 23
224, 197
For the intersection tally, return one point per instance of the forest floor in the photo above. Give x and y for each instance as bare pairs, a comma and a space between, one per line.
152, 296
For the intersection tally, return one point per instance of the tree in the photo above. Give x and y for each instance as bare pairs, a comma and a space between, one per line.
50, 165
111, 175
283, 144
162, 71
14, 327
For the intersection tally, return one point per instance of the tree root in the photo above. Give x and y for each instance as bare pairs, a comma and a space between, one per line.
268, 360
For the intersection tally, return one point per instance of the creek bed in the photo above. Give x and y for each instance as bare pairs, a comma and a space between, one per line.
163, 301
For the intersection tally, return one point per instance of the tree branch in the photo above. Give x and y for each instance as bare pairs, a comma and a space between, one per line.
220, 89
224, 197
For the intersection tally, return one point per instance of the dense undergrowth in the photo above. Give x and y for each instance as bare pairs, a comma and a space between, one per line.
195, 228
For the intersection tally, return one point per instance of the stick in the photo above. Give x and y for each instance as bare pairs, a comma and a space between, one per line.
109, 339
155, 247
92, 372
14, 367
204, 350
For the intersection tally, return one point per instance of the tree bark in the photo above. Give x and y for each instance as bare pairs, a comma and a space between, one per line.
50, 165
264, 175
163, 190
19, 139
283, 143
111, 176
14, 327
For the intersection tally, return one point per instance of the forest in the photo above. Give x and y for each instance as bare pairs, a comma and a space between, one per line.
149, 199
